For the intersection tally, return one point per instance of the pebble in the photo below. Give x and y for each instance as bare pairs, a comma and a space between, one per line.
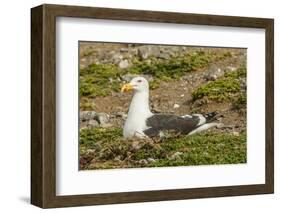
151, 160
87, 115
136, 145
102, 118
122, 115
143, 161
176, 156
117, 158
124, 49
93, 123
231, 68
124, 64
176, 106
236, 133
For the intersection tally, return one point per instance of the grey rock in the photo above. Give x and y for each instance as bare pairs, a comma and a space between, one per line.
123, 64
230, 68
136, 145
214, 73
176, 156
102, 118
151, 160
143, 161
124, 49
93, 123
144, 52
118, 158
121, 115
211, 77
133, 51
117, 58
87, 115
163, 56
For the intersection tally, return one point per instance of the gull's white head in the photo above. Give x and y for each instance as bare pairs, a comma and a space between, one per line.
137, 84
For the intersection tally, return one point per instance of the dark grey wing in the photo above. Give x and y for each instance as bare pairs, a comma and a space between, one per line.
177, 124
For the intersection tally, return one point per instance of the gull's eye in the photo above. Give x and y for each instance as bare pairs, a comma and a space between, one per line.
139, 81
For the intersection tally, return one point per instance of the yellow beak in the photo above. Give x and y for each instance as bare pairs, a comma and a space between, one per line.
127, 87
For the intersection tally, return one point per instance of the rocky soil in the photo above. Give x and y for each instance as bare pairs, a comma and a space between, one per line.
177, 98
174, 95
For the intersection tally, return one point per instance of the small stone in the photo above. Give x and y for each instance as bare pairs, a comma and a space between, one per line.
143, 161
124, 49
117, 58
182, 95
211, 77
117, 158
136, 145
151, 160
231, 68
93, 123
144, 52
102, 118
122, 115
176, 156
87, 115
236, 133
124, 64
176, 106
163, 56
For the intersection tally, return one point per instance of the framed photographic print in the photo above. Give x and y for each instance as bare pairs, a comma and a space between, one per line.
137, 106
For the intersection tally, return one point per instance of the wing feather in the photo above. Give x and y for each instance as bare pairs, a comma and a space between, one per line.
164, 122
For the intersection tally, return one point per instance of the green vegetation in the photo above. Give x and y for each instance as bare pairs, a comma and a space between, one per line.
98, 80
86, 104
218, 90
227, 88
102, 79
105, 148
240, 102
174, 67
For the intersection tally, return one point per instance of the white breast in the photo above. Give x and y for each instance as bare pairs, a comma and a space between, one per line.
134, 127
138, 113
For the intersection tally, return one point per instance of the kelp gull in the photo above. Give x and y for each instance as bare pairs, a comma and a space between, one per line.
141, 122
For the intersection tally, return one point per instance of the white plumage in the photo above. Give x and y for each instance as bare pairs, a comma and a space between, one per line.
141, 122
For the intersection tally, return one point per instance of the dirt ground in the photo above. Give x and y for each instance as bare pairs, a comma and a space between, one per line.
102, 145
176, 92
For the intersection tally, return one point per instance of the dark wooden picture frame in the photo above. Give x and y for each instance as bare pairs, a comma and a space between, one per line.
43, 105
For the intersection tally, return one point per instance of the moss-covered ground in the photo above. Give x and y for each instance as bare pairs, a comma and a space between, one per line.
102, 148
226, 88
102, 79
